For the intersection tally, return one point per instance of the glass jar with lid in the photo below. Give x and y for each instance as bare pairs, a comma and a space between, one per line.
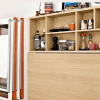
71, 45
63, 45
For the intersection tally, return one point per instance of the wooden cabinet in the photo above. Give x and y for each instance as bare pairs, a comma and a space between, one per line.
63, 76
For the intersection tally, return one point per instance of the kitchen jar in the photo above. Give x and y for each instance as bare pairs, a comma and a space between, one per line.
83, 24
72, 26
63, 45
90, 24
71, 45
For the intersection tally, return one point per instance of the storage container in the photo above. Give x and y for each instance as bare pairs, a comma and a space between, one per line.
63, 45
71, 45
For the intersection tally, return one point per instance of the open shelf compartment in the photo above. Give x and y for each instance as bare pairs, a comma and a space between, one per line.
62, 36
84, 15
57, 21
35, 24
95, 38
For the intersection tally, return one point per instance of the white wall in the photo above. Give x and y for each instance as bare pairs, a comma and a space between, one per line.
24, 9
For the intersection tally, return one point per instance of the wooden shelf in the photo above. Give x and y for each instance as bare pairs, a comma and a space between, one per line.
88, 30
50, 21
64, 32
96, 51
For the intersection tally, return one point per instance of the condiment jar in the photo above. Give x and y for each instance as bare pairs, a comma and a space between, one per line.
71, 45
62, 45
83, 24
72, 26
90, 24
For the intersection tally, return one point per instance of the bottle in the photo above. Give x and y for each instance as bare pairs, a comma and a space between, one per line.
90, 40
43, 41
83, 44
37, 40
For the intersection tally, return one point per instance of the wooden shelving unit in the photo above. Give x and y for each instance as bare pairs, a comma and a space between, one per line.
46, 22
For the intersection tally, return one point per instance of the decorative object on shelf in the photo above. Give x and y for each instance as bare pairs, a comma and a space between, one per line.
54, 12
63, 28
93, 46
97, 2
90, 24
42, 13
83, 24
37, 40
48, 7
71, 5
54, 30
43, 41
88, 4
55, 44
84, 5
38, 12
90, 40
63, 45
63, 6
71, 45
83, 44
72, 26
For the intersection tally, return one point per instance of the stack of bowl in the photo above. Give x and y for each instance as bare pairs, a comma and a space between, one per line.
48, 7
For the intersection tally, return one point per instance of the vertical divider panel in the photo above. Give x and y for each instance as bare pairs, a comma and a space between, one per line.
50, 25
46, 31
94, 17
76, 31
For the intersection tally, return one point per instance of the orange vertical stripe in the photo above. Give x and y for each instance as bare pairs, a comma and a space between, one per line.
15, 59
22, 60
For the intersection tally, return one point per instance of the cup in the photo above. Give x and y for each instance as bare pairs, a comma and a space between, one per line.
93, 46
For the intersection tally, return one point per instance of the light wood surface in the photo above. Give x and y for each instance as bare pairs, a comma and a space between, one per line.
50, 21
63, 76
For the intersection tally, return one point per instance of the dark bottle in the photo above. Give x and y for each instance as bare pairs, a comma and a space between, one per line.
37, 41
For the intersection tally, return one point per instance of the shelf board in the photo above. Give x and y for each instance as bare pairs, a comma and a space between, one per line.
96, 51
88, 30
61, 32
38, 17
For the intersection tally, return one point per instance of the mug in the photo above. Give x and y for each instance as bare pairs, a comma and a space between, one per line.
93, 46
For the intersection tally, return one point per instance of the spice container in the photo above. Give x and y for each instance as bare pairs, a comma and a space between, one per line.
63, 45
71, 45
90, 24
72, 26
83, 24
83, 43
